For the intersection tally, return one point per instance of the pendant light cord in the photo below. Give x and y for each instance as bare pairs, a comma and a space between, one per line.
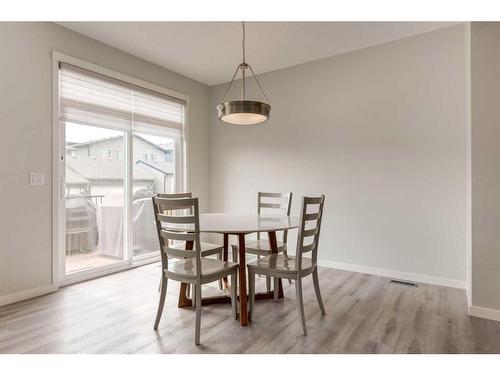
243, 40
243, 74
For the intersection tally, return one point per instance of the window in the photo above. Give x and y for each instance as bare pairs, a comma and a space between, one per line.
131, 125
107, 154
168, 156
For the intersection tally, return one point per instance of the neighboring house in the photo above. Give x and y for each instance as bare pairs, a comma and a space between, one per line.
98, 167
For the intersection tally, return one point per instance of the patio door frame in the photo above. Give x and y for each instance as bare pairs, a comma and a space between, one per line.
59, 277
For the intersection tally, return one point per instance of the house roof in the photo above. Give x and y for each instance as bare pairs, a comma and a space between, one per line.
163, 147
88, 168
97, 169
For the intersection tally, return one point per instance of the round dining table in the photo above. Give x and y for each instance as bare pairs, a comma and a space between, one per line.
239, 225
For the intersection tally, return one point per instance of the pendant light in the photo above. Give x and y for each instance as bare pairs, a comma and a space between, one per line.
243, 112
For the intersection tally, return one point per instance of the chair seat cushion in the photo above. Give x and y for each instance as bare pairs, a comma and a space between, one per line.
206, 248
280, 263
186, 268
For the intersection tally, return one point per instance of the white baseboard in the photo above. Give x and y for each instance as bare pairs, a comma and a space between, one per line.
414, 277
469, 295
27, 294
483, 312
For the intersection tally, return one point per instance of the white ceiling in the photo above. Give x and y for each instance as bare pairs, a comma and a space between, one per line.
209, 51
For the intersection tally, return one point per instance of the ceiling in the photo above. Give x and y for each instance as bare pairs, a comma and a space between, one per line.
210, 51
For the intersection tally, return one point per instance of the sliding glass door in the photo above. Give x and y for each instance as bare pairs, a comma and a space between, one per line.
121, 145
94, 197
153, 173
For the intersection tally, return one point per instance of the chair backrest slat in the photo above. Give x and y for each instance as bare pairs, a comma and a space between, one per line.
310, 232
175, 195
272, 205
310, 217
176, 219
314, 200
170, 204
178, 236
279, 203
274, 195
310, 226
179, 253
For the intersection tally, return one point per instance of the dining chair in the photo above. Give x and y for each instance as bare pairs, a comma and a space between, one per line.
207, 248
297, 267
80, 224
278, 203
173, 224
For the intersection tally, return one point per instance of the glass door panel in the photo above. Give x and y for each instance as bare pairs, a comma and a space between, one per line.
94, 197
153, 172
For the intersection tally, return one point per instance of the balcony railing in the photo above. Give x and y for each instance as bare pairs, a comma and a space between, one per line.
95, 198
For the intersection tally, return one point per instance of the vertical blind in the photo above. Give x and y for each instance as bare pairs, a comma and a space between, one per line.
94, 99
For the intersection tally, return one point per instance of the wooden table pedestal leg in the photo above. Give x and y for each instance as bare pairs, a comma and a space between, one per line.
242, 280
274, 250
225, 281
184, 301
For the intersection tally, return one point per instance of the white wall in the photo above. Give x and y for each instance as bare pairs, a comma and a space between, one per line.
485, 76
26, 136
382, 133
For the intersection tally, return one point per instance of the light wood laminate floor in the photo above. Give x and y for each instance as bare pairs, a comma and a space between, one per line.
364, 314
78, 261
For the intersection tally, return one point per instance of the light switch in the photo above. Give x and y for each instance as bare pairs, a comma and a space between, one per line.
37, 178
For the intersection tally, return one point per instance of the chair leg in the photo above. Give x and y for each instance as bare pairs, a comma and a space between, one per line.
276, 288
285, 253
193, 297
219, 257
234, 294
198, 314
318, 292
163, 293
300, 304
251, 293
268, 284
234, 251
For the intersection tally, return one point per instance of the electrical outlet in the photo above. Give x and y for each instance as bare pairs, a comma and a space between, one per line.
37, 178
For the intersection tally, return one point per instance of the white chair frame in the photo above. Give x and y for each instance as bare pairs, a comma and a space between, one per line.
191, 268
211, 249
296, 268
